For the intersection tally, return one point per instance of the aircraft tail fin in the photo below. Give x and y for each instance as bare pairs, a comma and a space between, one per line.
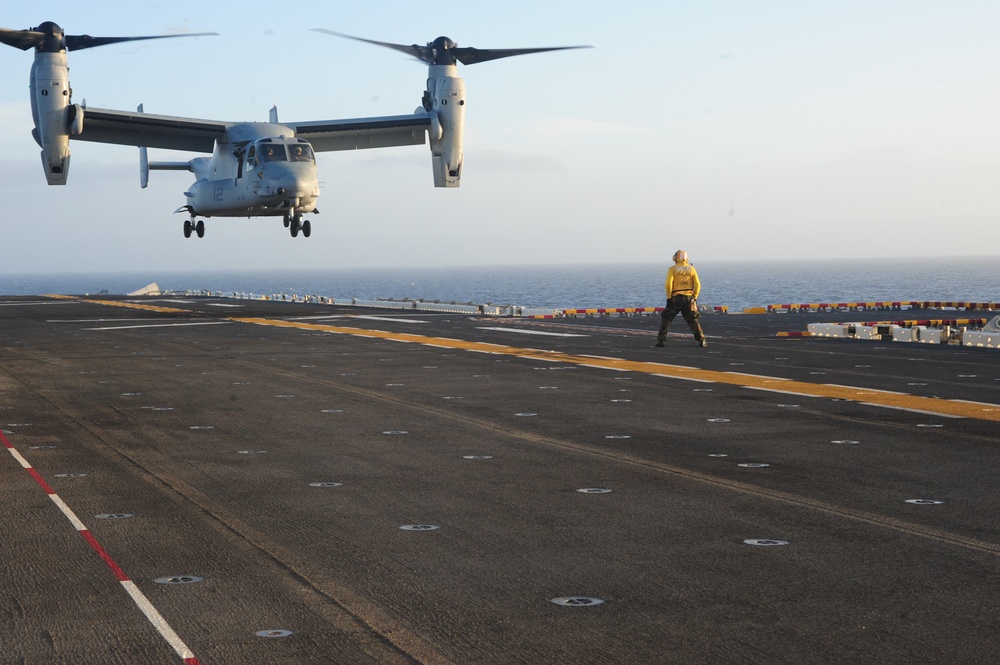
274, 114
143, 167
143, 160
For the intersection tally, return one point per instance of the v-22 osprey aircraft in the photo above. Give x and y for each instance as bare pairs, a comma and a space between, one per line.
256, 169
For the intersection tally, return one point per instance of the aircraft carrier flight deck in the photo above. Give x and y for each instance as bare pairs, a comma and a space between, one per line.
205, 480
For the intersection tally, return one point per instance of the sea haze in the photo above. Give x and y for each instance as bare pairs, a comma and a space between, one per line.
735, 284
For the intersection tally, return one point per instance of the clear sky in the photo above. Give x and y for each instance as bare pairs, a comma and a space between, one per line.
732, 129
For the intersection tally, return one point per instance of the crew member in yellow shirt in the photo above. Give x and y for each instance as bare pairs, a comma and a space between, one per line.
682, 287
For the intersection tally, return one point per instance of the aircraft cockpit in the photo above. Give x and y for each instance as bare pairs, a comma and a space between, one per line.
301, 152
273, 151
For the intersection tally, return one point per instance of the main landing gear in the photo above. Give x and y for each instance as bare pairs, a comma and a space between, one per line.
295, 223
191, 225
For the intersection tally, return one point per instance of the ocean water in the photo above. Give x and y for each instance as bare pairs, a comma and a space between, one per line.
735, 284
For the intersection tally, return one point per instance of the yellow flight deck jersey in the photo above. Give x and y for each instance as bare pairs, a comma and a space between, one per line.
682, 280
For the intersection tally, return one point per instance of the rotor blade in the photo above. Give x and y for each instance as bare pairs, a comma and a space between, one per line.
22, 39
419, 52
79, 42
471, 56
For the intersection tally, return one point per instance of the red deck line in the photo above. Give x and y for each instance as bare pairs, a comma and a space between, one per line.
152, 615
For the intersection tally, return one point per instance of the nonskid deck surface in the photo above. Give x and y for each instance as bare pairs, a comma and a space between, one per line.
203, 480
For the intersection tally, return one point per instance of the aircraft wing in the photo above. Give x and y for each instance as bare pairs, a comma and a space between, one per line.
152, 131
361, 133
175, 133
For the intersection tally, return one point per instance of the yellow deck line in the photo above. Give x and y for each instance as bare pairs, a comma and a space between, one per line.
930, 405
148, 308
129, 305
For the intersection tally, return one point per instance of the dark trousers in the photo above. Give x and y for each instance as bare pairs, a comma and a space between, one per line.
680, 305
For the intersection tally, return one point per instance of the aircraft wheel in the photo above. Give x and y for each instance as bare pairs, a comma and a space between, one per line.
287, 221
295, 226
306, 228
200, 228
187, 228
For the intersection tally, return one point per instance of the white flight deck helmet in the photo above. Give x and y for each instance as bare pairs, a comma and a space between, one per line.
680, 256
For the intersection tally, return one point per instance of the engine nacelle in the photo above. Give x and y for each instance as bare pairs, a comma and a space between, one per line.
51, 111
446, 92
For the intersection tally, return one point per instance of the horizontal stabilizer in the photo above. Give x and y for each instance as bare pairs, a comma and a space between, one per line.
145, 166
170, 166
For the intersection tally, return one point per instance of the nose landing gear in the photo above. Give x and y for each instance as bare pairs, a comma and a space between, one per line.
191, 225
294, 223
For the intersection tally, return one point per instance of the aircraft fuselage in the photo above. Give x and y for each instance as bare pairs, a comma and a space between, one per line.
272, 174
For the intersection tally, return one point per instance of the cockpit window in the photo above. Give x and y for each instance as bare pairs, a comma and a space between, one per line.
301, 152
273, 152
